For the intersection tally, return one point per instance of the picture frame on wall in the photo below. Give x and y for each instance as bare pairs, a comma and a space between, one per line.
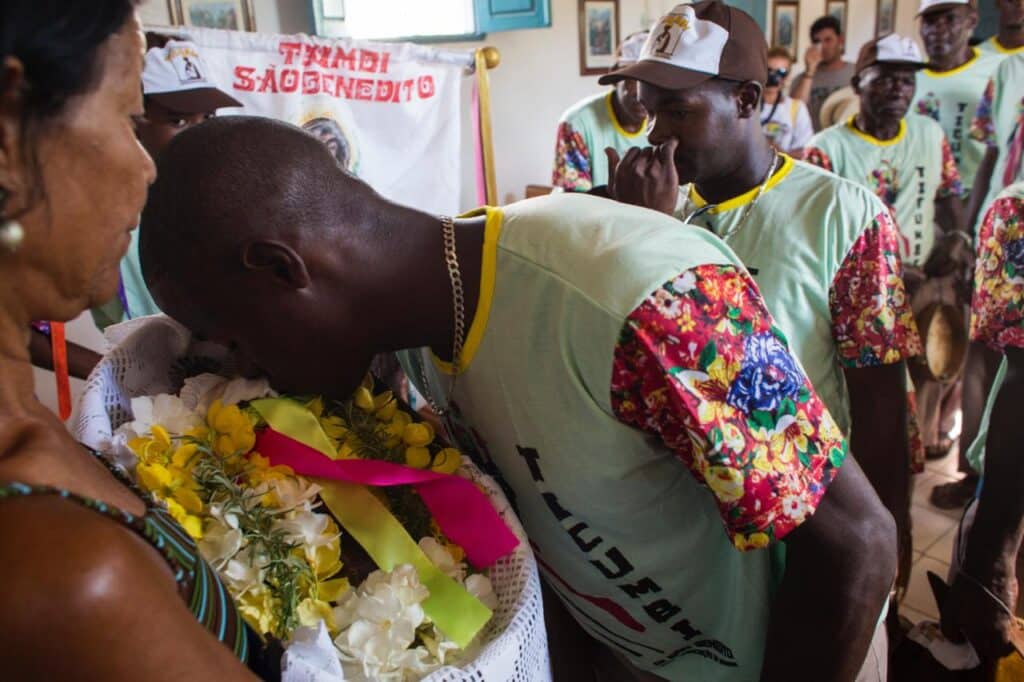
786, 25
885, 17
233, 15
837, 9
599, 35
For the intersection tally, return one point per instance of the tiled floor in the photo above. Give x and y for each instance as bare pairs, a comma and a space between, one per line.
933, 531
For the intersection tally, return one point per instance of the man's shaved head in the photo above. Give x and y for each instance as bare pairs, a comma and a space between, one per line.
239, 178
250, 232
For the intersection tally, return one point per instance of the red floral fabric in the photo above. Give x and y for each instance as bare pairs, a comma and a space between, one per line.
701, 365
997, 307
949, 184
819, 158
871, 318
572, 169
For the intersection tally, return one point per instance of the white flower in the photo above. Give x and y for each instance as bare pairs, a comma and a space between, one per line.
245, 571
306, 528
220, 542
292, 491
479, 585
378, 623
200, 391
685, 283
440, 557
163, 409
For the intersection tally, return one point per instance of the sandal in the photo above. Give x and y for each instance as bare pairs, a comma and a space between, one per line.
954, 495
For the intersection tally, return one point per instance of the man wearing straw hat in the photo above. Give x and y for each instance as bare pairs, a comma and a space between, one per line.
610, 119
823, 250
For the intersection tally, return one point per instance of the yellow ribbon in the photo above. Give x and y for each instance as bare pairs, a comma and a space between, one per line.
457, 613
486, 137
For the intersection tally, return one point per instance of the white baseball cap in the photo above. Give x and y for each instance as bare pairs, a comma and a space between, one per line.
176, 76
696, 42
890, 49
630, 48
935, 5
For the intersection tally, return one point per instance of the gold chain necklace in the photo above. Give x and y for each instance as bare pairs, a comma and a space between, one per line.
451, 259
731, 232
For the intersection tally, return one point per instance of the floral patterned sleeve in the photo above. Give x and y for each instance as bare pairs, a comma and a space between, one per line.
950, 184
572, 161
818, 158
983, 128
871, 318
997, 308
701, 365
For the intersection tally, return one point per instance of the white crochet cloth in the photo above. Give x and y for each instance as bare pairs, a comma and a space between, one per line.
154, 354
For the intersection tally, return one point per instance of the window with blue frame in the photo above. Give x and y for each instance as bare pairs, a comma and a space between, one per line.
434, 21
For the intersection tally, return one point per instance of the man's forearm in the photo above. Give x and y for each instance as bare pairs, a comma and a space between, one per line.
996, 534
839, 570
982, 182
802, 88
81, 360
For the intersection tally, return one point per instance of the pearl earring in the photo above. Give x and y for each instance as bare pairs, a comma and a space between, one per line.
11, 231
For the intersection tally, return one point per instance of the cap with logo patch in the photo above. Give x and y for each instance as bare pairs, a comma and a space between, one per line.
176, 76
696, 42
936, 5
890, 49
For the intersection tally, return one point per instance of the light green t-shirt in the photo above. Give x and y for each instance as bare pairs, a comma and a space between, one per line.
626, 534
951, 97
794, 241
906, 173
584, 131
996, 122
992, 46
133, 289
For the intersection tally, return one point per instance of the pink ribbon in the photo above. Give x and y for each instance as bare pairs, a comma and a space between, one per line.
463, 513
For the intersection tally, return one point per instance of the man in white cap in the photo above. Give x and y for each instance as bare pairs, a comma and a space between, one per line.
610, 119
823, 250
178, 93
905, 159
1009, 40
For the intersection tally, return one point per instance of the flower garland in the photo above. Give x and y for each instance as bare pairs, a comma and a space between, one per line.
266, 532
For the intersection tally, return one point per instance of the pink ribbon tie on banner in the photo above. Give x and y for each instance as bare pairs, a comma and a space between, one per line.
463, 513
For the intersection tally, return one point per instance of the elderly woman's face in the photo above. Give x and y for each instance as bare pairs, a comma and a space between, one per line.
94, 175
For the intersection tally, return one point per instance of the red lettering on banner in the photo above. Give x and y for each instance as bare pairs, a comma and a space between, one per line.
289, 51
425, 87
269, 81
316, 54
368, 61
384, 59
386, 90
289, 80
243, 79
310, 83
345, 86
407, 86
364, 88
344, 59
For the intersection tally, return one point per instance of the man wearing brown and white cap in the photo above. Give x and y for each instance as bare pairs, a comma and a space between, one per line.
824, 251
178, 93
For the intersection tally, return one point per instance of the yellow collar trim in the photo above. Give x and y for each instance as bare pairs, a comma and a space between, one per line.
488, 270
746, 197
960, 69
871, 139
615, 120
1005, 50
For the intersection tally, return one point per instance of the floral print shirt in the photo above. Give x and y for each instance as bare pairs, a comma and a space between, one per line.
871, 318
701, 365
572, 170
997, 307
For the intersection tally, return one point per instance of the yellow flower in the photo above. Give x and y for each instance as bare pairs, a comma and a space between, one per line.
184, 456
257, 608
388, 409
316, 406
331, 590
154, 477
312, 611
193, 525
418, 434
363, 399
417, 457
753, 541
726, 482
334, 427
234, 430
446, 461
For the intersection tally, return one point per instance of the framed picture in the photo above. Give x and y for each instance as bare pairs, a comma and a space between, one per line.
599, 35
786, 25
885, 17
234, 15
837, 9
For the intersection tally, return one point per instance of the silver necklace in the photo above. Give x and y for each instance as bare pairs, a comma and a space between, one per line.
451, 259
731, 232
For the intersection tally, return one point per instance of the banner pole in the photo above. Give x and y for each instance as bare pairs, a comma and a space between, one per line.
487, 58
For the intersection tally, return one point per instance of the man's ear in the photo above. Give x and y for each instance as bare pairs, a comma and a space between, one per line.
12, 87
278, 260
972, 19
748, 99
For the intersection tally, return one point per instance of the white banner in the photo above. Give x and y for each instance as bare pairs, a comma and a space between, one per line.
389, 112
